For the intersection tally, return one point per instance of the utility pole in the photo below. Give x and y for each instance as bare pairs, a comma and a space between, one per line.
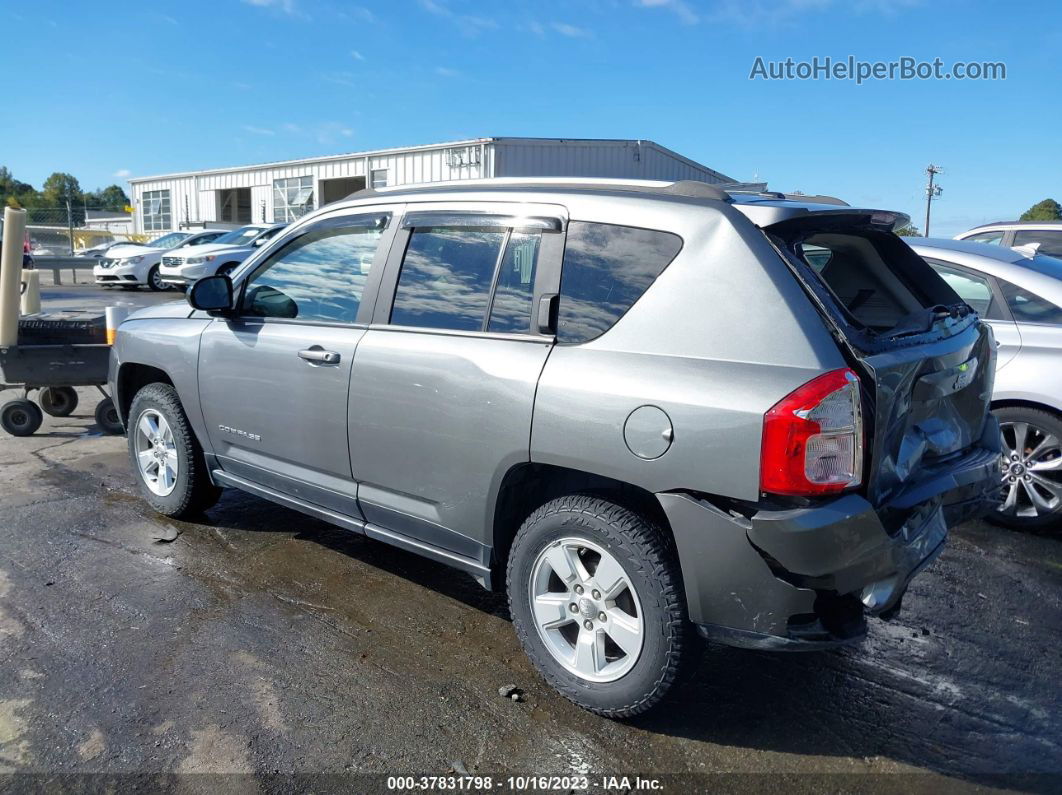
932, 191
70, 225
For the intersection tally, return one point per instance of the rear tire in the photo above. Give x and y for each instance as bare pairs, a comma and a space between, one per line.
191, 492
629, 671
1032, 469
21, 417
58, 401
154, 280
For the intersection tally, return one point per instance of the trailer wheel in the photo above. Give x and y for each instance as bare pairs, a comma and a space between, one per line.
107, 418
58, 401
21, 417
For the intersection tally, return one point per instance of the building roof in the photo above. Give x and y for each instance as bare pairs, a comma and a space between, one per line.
428, 147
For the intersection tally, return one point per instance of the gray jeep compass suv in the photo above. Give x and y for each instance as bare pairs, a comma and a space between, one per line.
648, 411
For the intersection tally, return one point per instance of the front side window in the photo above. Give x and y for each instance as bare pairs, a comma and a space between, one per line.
156, 208
510, 310
317, 277
992, 238
606, 269
292, 198
171, 240
1027, 307
1050, 240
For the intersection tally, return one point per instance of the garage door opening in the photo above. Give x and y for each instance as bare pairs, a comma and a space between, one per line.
234, 205
332, 190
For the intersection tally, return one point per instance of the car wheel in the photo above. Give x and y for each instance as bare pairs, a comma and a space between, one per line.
58, 401
154, 280
21, 417
107, 418
226, 270
166, 456
597, 603
1031, 468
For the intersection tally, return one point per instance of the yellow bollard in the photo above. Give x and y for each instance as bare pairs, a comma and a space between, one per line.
31, 292
10, 268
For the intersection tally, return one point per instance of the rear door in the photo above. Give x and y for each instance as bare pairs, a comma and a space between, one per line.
444, 380
274, 379
926, 361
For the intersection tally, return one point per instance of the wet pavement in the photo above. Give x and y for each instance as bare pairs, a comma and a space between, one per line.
262, 641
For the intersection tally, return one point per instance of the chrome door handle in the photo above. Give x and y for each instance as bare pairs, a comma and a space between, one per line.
318, 355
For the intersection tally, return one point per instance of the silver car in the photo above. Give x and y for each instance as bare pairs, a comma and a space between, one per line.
1020, 296
649, 412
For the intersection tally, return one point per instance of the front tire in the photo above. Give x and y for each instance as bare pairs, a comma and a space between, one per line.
166, 457
154, 280
627, 640
1032, 469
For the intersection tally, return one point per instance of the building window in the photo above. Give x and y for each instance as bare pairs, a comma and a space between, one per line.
378, 177
292, 198
155, 205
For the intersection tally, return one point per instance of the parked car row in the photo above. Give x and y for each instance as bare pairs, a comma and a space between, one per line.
177, 258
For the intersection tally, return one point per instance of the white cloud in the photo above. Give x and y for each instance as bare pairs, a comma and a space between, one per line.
357, 56
286, 6
470, 25
123, 172
341, 78
571, 31
443, 71
258, 130
678, 7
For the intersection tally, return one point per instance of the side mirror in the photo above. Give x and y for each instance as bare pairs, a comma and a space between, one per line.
212, 294
261, 241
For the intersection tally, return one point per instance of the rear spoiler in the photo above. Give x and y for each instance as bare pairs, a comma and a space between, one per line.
766, 215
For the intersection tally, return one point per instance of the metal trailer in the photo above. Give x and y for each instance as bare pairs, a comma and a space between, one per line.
54, 371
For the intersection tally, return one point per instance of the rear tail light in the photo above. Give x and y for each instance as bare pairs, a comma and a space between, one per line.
813, 438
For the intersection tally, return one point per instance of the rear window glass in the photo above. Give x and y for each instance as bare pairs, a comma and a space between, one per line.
606, 269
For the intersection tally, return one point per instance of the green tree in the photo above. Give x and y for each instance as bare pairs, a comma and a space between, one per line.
909, 230
1047, 210
110, 198
60, 188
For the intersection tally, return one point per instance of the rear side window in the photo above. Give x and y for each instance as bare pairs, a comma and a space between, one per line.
991, 238
467, 279
606, 269
1050, 241
1029, 308
974, 290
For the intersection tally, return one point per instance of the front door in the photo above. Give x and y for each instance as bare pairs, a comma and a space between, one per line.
274, 379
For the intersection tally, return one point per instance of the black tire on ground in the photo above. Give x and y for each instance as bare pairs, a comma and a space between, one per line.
58, 401
154, 281
646, 553
107, 418
1042, 424
227, 269
193, 492
21, 417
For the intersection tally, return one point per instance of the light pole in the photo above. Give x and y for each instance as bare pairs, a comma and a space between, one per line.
932, 191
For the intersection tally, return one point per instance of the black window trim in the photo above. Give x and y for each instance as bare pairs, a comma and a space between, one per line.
275, 247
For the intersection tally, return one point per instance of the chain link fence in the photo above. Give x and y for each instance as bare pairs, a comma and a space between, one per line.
62, 231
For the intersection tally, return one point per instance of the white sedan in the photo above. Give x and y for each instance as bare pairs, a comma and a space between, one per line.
181, 268
130, 265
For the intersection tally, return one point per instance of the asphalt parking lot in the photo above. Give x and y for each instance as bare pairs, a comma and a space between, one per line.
260, 641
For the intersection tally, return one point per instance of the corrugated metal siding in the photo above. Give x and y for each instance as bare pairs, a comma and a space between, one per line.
500, 158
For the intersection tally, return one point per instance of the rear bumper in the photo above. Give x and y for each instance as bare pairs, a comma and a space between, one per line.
805, 578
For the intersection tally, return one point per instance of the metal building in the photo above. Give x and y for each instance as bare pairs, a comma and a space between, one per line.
282, 191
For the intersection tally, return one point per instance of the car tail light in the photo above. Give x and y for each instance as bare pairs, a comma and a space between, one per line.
813, 438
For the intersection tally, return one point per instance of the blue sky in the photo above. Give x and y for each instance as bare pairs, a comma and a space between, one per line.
116, 89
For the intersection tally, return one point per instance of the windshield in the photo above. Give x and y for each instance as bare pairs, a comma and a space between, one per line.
241, 236
168, 241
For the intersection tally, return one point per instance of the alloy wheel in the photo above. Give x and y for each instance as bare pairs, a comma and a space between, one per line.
586, 610
156, 453
1032, 471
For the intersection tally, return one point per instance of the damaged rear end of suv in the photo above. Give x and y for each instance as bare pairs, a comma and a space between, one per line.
863, 468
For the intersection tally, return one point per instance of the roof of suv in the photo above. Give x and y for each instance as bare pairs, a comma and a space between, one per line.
1016, 225
763, 207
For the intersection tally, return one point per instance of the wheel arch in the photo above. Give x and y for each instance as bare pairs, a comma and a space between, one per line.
132, 377
528, 485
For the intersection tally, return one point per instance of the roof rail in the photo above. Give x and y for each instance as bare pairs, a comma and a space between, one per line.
686, 188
